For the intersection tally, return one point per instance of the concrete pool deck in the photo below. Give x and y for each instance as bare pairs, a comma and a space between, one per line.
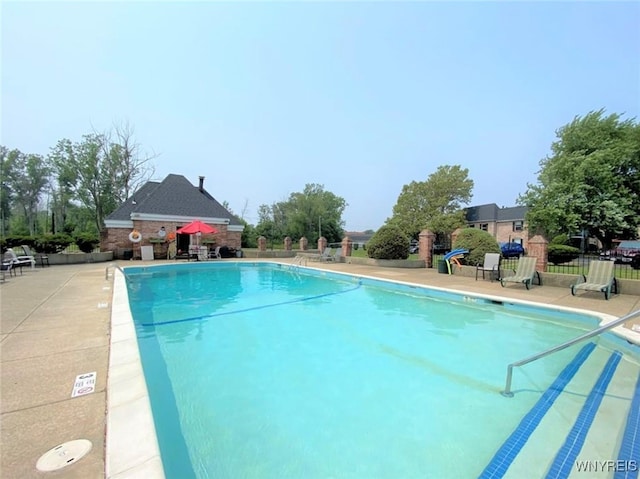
55, 325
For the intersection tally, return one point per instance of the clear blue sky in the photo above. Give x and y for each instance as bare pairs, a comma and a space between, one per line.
262, 98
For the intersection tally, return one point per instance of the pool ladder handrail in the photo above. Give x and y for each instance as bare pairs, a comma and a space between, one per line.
507, 389
111, 266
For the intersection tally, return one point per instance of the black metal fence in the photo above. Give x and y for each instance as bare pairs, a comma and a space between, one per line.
578, 266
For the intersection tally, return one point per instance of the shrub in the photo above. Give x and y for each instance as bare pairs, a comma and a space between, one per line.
478, 243
16, 241
356, 246
561, 239
559, 253
87, 242
49, 244
389, 242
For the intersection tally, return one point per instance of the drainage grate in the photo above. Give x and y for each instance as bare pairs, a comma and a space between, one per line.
63, 455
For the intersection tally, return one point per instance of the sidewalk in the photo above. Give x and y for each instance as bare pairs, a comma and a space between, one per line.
55, 325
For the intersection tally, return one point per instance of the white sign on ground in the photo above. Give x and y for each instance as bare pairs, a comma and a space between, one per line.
84, 384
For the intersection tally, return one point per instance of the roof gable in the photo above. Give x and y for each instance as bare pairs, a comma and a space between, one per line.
173, 196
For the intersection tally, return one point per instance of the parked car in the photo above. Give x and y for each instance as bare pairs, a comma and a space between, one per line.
414, 248
623, 253
439, 248
511, 250
635, 262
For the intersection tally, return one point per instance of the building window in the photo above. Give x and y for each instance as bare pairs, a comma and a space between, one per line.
484, 226
518, 225
472, 226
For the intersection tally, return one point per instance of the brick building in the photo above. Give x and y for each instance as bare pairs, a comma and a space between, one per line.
158, 209
504, 224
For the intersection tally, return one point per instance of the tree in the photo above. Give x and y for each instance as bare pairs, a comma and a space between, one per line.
309, 213
100, 172
435, 203
26, 181
591, 181
315, 212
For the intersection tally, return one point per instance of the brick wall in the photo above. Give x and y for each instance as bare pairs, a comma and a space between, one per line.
117, 239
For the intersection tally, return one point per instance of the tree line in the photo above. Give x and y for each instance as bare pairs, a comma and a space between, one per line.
74, 187
590, 183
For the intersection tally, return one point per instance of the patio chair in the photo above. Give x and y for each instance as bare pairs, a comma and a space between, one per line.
43, 258
600, 277
4, 269
525, 273
215, 253
491, 264
19, 261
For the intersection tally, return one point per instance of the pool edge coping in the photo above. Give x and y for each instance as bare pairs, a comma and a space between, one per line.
128, 398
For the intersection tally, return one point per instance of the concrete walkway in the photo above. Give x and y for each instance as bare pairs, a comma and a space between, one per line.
55, 325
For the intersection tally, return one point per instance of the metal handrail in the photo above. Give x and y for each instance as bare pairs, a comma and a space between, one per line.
507, 390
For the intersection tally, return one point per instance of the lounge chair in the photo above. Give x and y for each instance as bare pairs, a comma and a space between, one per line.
215, 253
525, 273
19, 261
491, 264
327, 253
42, 258
335, 257
599, 278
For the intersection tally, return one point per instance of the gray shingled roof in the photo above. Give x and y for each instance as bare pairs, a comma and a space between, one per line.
174, 196
491, 212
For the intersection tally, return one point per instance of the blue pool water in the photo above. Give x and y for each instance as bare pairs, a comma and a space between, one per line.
267, 371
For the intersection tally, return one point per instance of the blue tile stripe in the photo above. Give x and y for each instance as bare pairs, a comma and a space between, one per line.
514, 443
630, 448
566, 457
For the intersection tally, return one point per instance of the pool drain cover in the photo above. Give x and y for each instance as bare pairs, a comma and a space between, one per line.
63, 455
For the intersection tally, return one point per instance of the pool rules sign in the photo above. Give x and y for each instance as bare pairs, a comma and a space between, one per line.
84, 384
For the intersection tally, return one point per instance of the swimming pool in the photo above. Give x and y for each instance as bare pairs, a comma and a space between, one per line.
271, 371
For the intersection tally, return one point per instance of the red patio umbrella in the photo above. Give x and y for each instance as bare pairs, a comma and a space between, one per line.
196, 226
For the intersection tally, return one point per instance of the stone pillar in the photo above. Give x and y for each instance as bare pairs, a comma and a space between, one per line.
425, 242
346, 246
304, 244
322, 243
287, 243
538, 247
262, 243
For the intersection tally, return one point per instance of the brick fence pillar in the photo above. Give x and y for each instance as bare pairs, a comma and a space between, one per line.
538, 247
287, 243
425, 243
262, 243
347, 246
322, 243
304, 244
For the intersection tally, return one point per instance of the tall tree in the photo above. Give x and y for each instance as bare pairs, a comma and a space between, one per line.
101, 170
7, 165
591, 181
435, 203
27, 182
314, 212
309, 213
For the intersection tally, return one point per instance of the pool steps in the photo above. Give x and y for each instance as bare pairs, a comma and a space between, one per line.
598, 392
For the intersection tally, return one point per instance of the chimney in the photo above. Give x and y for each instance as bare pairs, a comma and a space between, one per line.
201, 187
